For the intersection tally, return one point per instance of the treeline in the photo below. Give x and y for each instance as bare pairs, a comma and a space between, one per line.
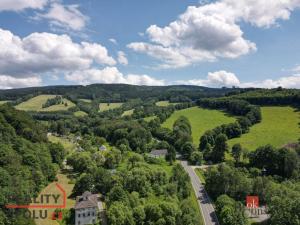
27, 162
179, 139
57, 100
119, 92
277, 96
213, 142
150, 109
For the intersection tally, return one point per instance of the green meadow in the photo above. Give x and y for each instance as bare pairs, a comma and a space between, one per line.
201, 120
279, 126
107, 106
164, 103
128, 112
36, 104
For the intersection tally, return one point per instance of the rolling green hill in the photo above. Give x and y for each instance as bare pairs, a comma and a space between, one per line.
200, 119
278, 127
36, 104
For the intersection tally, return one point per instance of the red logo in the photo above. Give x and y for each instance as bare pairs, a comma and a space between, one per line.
252, 201
56, 216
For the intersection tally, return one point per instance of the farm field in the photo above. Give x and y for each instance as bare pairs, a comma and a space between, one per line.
36, 104
164, 103
279, 126
200, 119
128, 112
107, 106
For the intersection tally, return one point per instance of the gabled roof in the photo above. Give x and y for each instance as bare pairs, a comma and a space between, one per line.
87, 200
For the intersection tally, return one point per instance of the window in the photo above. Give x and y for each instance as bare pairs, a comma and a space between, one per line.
78, 214
83, 214
88, 214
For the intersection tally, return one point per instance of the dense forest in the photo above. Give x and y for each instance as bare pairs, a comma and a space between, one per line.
27, 162
118, 92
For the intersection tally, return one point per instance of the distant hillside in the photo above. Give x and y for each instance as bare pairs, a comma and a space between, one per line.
118, 92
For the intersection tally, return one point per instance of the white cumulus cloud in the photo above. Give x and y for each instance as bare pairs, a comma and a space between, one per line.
47, 52
64, 16
227, 79
7, 82
211, 31
110, 75
19, 5
220, 78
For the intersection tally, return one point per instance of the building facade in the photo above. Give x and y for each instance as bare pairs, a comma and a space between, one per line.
87, 209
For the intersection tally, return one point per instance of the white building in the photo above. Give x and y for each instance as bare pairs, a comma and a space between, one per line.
87, 209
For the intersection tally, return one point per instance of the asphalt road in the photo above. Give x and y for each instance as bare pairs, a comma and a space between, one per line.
207, 209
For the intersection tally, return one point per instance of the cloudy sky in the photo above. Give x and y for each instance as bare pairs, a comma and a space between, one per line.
209, 43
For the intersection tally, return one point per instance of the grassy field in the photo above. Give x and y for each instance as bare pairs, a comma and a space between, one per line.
107, 106
164, 103
80, 113
128, 112
279, 126
36, 104
200, 119
69, 146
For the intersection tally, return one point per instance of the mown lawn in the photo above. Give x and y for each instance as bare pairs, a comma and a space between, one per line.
200, 119
36, 104
279, 126
107, 106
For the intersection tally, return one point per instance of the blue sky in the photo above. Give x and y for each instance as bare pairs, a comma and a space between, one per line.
207, 43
